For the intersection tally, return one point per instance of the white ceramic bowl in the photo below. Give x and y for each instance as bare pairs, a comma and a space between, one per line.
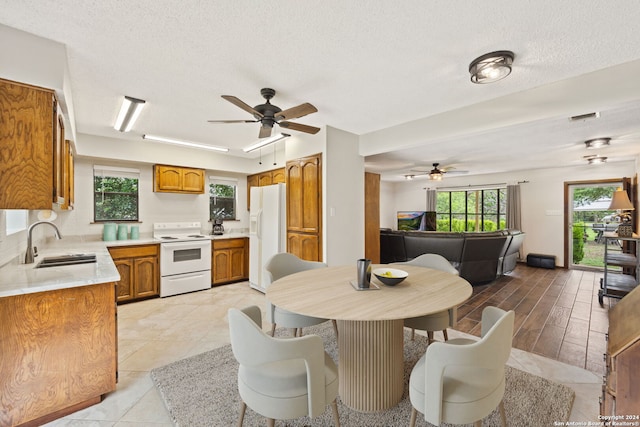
390, 276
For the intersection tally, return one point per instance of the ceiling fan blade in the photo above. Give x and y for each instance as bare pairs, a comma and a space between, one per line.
296, 112
265, 131
232, 121
299, 127
246, 107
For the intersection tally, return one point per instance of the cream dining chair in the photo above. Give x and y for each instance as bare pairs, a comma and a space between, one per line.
437, 321
279, 266
281, 378
462, 381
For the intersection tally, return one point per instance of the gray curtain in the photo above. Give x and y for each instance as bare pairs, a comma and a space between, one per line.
432, 197
513, 207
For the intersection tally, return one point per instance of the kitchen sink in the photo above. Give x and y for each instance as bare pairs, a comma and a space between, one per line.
62, 260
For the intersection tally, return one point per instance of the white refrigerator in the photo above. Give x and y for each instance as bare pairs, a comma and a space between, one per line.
267, 231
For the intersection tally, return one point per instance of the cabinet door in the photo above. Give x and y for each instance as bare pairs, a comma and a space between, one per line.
278, 176
252, 181
193, 180
146, 276
59, 175
304, 189
68, 176
124, 288
264, 179
220, 265
237, 261
304, 246
168, 178
27, 116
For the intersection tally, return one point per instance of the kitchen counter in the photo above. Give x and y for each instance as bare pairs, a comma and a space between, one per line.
17, 278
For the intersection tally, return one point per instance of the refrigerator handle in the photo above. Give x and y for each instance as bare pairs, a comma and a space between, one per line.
259, 224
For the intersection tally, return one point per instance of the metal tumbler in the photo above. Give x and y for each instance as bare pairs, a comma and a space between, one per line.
364, 272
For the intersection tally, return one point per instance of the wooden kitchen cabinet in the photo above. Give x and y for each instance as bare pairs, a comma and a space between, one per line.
176, 179
68, 176
304, 207
275, 176
139, 272
621, 388
31, 132
59, 352
229, 260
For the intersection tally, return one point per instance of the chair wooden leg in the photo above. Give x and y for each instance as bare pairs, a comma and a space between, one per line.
334, 408
430, 336
273, 330
271, 422
335, 328
414, 415
446, 335
503, 415
413, 334
243, 409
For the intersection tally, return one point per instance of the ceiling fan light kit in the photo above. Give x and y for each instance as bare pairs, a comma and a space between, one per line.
491, 67
269, 115
129, 112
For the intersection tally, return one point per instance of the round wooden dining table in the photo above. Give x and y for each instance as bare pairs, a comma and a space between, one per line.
370, 322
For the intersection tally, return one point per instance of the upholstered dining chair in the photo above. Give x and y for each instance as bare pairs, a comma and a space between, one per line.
281, 378
437, 321
462, 381
281, 265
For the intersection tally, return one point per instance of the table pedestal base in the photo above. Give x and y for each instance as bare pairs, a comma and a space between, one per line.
371, 364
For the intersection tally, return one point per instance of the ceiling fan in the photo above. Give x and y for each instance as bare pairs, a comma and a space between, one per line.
268, 114
435, 174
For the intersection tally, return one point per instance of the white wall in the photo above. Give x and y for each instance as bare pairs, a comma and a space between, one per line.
542, 199
343, 198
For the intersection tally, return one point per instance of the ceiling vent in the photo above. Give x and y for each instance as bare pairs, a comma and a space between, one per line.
582, 117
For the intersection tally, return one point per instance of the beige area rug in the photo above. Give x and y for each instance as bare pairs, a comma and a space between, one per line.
202, 391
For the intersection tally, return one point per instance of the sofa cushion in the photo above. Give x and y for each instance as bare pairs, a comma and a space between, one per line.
448, 245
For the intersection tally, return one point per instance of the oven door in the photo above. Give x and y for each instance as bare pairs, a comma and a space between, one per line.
185, 257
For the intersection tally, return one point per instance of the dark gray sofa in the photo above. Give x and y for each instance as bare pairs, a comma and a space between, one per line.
479, 257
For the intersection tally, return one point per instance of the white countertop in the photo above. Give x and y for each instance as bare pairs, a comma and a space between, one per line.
16, 278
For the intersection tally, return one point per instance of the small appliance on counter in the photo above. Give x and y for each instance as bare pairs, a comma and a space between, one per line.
218, 229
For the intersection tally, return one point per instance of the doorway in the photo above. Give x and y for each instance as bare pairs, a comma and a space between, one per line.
587, 217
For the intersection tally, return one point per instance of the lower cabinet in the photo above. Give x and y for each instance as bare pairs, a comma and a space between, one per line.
59, 352
139, 271
229, 260
304, 246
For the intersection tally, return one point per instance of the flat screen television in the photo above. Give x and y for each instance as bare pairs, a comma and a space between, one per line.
417, 220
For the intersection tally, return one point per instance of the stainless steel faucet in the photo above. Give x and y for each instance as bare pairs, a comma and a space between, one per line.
28, 257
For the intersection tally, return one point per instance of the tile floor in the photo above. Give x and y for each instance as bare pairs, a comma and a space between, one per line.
156, 332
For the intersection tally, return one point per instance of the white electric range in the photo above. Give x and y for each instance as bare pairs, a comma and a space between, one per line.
185, 257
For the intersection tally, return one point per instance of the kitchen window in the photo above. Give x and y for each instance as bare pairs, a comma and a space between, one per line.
222, 198
115, 193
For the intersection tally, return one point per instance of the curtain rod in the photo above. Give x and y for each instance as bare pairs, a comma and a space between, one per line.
473, 187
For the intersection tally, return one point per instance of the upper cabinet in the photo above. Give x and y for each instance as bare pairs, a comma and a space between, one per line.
275, 176
32, 148
67, 173
176, 179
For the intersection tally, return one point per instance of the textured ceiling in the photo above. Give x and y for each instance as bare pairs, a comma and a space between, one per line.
366, 65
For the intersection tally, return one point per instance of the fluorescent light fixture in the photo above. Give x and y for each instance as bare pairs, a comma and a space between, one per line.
266, 141
129, 112
183, 143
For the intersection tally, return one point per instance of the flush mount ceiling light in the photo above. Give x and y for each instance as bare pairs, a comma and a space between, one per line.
266, 141
183, 143
409, 177
129, 112
597, 143
595, 159
491, 67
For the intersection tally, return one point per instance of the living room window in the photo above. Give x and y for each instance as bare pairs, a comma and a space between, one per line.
222, 198
472, 210
115, 193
